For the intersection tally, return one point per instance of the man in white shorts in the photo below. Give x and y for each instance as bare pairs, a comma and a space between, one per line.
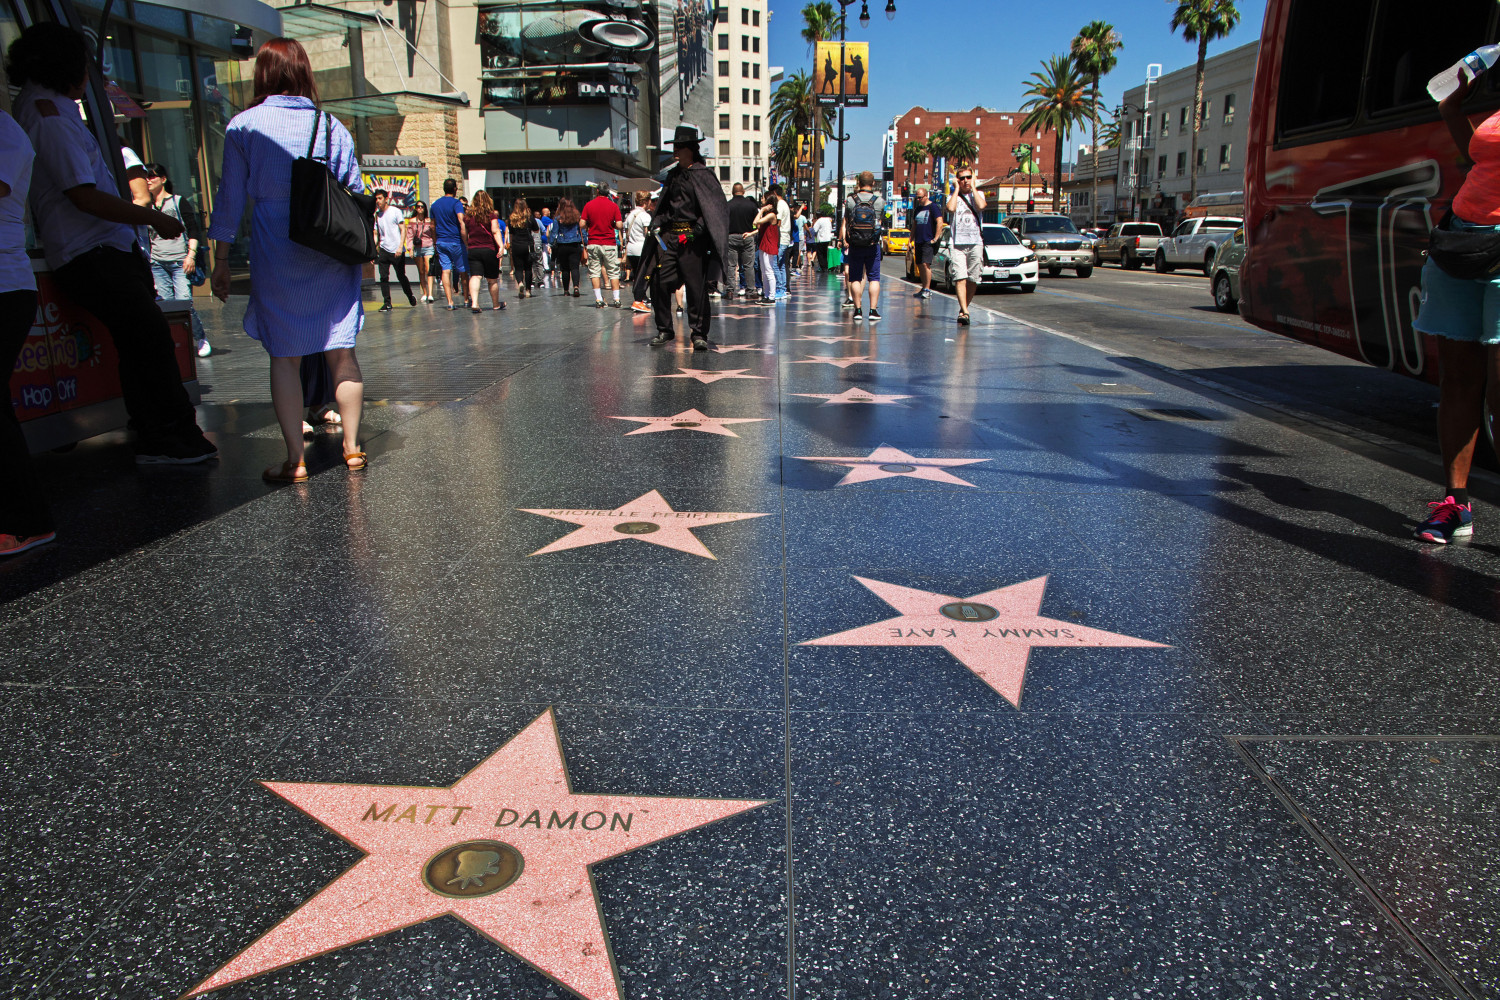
965, 210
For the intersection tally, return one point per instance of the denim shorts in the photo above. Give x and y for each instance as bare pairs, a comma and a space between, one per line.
1458, 308
426, 251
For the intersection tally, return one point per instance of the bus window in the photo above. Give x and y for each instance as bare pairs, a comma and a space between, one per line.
1412, 44
1323, 62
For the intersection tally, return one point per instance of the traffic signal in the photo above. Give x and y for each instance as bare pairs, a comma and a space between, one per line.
1031, 204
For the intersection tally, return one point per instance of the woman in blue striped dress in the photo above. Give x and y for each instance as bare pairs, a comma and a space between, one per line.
301, 301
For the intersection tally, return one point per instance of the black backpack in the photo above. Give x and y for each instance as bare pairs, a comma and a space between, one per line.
864, 223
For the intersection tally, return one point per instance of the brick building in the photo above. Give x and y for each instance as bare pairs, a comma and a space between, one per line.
997, 132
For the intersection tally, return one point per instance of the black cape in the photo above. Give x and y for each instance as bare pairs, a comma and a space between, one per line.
714, 208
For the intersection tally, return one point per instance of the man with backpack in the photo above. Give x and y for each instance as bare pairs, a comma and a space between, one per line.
859, 232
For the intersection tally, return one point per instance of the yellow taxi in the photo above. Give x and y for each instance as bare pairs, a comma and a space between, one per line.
895, 241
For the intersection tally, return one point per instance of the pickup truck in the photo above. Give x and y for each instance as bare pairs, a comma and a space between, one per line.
1194, 243
1130, 244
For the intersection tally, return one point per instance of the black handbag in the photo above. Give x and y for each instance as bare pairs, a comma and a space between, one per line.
325, 215
1466, 254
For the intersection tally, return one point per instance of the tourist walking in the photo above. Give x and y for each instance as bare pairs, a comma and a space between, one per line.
739, 266
1462, 316
547, 222
601, 216
859, 233
822, 237
522, 226
567, 244
966, 210
419, 244
174, 262
25, 521
450, 241
784, 235
799, 240
390, 241
690, 236
926, 225
88, 237
637, 227
485, 241
301, 301
768, 244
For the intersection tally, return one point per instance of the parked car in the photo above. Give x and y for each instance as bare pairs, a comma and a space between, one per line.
1224, 273
1129, 244
1056, 241
1006, 262
1195, 242
895, 241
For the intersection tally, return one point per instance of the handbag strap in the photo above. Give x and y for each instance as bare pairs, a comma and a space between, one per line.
312, 140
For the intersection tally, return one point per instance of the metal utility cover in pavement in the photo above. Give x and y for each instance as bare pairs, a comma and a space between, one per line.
1112, 389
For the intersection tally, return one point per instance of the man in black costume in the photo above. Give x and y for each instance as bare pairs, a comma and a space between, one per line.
689, 239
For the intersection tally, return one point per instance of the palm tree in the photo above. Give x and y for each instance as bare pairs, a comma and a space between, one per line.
955, 145
1094, 51
1201, 21
915, 154
1110, 135
1058, 100
794, 112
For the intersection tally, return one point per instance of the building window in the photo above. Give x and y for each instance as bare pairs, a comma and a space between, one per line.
755, 18
744, 43
906, 135
723, 15
1182, 120
757, 98
746, 151
755, 71
723, 67
1224, 152
1202, 160
723, 147
745, 172
745, 70
757, 150
724, 122
744, 95
745, 122
1208, 111
723, 43
1181, 164
1228, 109
1129, 130
723, 173
745, 19
1166, 124
917, 120
1161, 167
755, 44
757, 123
758, 174
723, 95
947, 120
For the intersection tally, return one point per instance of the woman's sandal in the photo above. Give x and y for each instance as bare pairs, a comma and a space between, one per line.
963, 319
356, 461
286, 472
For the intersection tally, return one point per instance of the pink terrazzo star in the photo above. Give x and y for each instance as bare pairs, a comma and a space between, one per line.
857, 359
731, 348
690, 420
827, 340
886, 462
853, 395
506, 849
647, 518
710, 377
991, 633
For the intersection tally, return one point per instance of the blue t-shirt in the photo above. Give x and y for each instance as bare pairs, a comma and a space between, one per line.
447, 214
923, 221
547, 222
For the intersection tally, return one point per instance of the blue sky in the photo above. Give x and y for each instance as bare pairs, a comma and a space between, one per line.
954, 54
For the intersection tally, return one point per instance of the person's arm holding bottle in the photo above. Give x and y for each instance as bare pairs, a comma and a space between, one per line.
1459, 126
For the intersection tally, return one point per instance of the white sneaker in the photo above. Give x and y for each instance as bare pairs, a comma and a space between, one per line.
205, 349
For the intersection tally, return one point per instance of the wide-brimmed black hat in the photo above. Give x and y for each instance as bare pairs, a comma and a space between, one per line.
687, 135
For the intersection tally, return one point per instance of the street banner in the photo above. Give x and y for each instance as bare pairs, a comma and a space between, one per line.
854, 57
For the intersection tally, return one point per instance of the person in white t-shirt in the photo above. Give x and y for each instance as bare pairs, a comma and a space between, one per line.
822, 235
25, 521
390, 239
965, 210
637, 225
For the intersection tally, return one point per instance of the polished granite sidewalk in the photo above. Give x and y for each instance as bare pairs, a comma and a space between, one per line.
848, 661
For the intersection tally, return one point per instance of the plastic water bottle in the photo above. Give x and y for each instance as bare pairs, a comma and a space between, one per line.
1475, 62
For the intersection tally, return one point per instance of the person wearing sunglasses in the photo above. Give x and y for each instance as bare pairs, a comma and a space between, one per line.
419, 244
174, 262
966, 210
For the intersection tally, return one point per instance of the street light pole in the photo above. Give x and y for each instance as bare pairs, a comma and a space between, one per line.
864, 22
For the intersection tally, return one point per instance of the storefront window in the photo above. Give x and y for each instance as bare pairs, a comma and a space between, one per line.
165, 69
161, 17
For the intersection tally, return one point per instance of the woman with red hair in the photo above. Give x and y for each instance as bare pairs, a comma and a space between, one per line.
301, 301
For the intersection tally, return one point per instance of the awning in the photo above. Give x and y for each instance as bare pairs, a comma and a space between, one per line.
315, 20
250, 13
401, 102
633, 184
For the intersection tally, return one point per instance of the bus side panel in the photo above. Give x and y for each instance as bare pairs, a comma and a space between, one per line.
1336, 230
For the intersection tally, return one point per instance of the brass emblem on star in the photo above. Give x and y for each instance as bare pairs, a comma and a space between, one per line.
472, 868
637, 528
969, 611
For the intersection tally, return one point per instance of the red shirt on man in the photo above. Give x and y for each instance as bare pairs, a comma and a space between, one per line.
600, 215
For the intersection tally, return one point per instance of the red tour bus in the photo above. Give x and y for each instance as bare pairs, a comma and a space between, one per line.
1350, 165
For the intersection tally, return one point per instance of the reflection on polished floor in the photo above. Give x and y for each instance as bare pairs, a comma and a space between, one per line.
850, 661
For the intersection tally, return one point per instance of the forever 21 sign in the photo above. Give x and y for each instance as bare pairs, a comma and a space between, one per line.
533, 177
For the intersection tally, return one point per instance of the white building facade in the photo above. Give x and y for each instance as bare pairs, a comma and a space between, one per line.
745, 79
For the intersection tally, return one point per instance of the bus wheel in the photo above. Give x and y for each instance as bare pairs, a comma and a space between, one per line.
1223, 294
